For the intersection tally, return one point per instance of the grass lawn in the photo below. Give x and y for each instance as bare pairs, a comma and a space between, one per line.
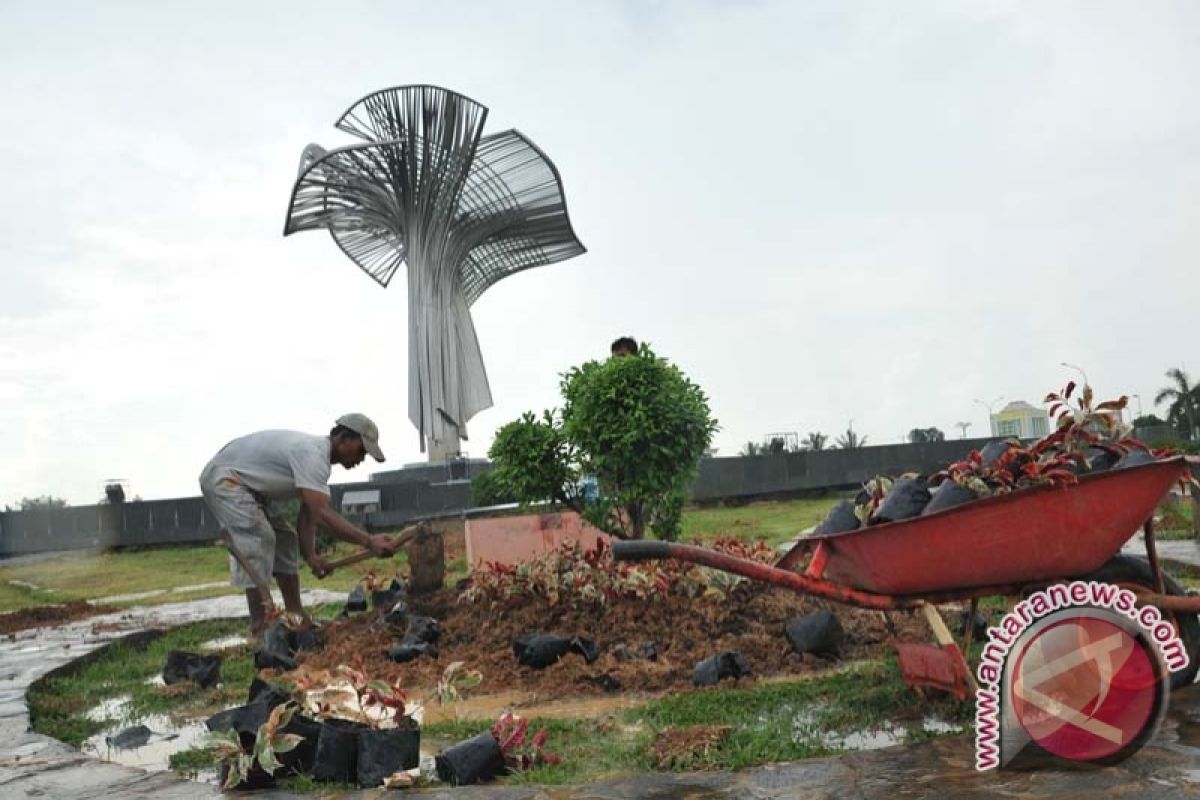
87, 577
74, 576
775, 521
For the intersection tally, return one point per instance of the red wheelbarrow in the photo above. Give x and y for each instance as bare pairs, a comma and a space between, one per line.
1007, 545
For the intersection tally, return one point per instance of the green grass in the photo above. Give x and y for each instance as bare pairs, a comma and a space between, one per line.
775, 521
770, 722
89, 577
191, 762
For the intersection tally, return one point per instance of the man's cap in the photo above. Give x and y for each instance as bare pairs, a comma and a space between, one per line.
364, 427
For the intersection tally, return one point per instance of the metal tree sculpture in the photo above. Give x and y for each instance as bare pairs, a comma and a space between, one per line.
461, 209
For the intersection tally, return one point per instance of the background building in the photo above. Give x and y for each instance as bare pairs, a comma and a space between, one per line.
1022, 420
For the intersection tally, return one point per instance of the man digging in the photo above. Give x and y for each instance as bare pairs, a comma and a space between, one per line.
249, 475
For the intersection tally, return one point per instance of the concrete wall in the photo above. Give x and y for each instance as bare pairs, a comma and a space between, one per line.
740, 477
430, 473
404, 496
179, 521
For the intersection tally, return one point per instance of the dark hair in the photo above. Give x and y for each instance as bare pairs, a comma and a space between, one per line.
342, 430
625, 343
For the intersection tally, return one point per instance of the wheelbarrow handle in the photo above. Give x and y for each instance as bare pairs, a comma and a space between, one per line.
641, 551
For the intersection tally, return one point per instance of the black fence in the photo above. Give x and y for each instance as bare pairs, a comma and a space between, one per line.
425, 491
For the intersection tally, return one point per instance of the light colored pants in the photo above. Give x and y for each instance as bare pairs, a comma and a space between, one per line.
259, 532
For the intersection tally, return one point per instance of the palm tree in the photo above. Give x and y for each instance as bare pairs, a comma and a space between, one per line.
815, 441
850, 440
1182, 397
921, 435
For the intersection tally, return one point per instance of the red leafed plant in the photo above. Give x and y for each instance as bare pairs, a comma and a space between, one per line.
577, 577
1016, 468
520, 750
1086, 424
971, 473
372, 693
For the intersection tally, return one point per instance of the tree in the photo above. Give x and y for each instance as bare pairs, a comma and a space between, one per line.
922, 435
815, 441
1148, 421
751, 449
42, 503
636, 426
485, 491
776, 447
533, 462
850, 440
1183, 399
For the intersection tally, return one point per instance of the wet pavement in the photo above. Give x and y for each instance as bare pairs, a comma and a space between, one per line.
1183, 551
32, 765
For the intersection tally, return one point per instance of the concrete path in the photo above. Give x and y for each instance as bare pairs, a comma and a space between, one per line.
36, 766
1183, 551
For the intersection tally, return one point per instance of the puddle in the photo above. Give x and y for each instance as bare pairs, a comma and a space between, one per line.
199, 587
940, 726
224, 643
135, 596
805, 726
114, 708
33, 587
168, 738
885, 736
491, 706
129, 598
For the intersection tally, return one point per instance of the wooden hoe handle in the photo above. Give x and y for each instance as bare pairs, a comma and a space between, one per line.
399, 540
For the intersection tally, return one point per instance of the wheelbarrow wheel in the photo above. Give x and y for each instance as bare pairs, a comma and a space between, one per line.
1133, 571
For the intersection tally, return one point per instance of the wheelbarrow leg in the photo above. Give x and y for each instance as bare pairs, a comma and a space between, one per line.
969, 625
943, 667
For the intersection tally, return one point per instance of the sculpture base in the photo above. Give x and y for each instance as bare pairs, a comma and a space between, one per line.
444, 450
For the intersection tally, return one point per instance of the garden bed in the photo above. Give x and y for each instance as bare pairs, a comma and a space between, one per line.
683, 630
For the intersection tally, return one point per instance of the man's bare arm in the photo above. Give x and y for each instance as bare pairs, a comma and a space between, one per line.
306, 529
317, 506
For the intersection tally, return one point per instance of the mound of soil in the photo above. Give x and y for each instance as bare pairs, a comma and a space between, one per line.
684, 631
46, 616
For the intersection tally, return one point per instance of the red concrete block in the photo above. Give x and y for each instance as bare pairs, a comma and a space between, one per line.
510, 540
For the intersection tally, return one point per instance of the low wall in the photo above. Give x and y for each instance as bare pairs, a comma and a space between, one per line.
513, 539
187, 521
746, 477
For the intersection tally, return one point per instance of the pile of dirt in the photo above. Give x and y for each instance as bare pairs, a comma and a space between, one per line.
47, 616
683, 631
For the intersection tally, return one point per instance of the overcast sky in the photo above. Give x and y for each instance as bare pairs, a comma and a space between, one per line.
822, 211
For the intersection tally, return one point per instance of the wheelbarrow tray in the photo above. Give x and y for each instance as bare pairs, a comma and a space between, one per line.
1026, 536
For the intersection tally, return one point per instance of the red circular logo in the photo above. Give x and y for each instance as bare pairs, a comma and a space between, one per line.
1085, 688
